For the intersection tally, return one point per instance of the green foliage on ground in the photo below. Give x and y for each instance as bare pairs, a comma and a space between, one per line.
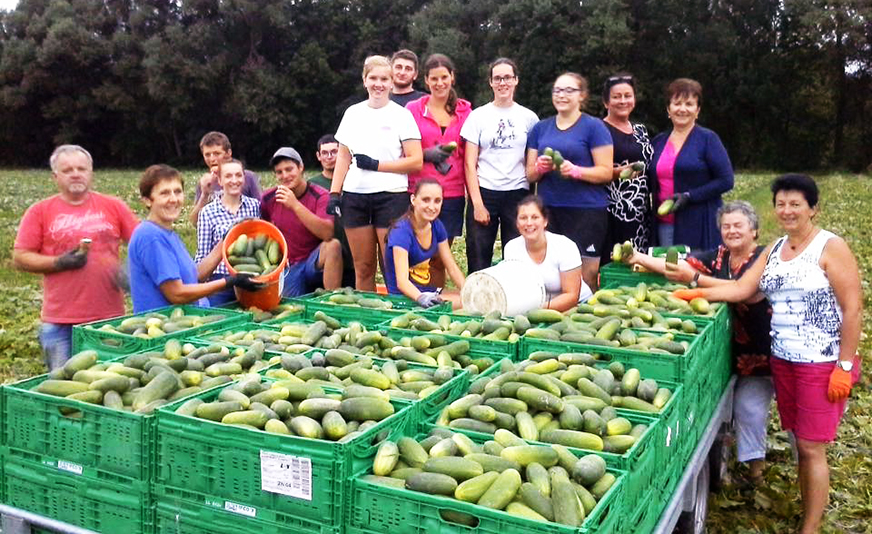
774, 508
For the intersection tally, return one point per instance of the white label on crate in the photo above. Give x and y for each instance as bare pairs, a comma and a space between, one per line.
240, 509
69, 467
286, 475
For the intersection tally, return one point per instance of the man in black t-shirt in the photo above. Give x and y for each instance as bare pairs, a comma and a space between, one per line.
404, 71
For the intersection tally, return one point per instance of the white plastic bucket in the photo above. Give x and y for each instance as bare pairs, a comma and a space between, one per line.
510, 287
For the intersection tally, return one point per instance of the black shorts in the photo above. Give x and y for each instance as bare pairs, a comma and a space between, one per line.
586, 227
372, 209
452, 215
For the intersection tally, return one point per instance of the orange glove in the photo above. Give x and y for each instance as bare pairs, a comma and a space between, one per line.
688, 294
840, 385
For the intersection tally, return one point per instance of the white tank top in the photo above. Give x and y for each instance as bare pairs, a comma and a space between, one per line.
806, 317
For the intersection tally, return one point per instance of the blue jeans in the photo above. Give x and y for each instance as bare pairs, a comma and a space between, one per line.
666, 233
303, 276
57, 343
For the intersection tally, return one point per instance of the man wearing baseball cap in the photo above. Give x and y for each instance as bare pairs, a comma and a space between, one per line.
299, 211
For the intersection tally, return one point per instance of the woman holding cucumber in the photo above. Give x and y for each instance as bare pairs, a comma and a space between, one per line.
812, 280
553, 256
690, 170
413, 242
218, 216
440, 116
570, 155
629, 202
379, 144
738, 223
161, 270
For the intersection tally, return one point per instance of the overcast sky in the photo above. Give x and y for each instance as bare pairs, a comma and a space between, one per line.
8, 4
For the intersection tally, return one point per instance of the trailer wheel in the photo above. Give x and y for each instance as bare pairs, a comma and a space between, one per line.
693, 522
719, 459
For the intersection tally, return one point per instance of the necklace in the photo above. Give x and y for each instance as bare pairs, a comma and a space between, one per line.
804, 240
626, 127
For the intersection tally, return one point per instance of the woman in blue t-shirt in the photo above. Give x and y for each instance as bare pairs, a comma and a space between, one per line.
575, 190
412, 241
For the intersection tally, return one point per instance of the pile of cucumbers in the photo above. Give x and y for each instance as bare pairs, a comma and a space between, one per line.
291, 408
491, 327
531, 481
258, 254
349, 297
328, 333
278, 313
376, 378
153, 324
143, 382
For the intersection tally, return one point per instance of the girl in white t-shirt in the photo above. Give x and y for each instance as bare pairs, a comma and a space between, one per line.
379, 144
555, 257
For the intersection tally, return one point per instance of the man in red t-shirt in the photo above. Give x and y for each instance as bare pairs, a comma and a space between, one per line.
80, 277
299, 210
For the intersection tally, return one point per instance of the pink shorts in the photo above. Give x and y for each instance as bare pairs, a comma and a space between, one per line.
801, 394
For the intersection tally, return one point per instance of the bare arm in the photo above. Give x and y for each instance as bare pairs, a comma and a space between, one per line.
178, 292
208, 264
841, 268
34, 262
401, 269
343, 162
570, 286
742, 289
412, 160
320, 228
470, 164
533, 175
206, 182
451, 267
602, 170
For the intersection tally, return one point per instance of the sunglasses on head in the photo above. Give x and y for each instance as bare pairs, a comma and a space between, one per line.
619, 79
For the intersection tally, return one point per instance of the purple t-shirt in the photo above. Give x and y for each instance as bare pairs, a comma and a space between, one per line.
403, 236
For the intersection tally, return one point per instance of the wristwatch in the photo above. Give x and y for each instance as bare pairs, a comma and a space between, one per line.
695, 282
846, 365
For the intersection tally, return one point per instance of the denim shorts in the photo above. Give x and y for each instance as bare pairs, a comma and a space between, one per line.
303, 277
57, 343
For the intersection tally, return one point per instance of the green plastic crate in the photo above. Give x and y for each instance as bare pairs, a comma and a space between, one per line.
236, 306
622, 274
87, 503
640, 462
496, 349
207, 463
89, 335
376, 508
367, 316
185, 517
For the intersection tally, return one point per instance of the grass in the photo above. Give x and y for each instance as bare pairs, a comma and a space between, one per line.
775, 508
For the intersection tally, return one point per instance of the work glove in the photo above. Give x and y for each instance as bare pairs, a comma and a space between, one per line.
243, 281
442, 167
74, 259
365, 162
333, 205
428, 299
436, 154
840, 385
571, 170
688, 294
679, 201
544, 164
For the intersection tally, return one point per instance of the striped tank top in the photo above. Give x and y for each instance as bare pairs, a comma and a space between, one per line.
806, 318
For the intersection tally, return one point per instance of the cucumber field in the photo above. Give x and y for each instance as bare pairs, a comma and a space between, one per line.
735, 508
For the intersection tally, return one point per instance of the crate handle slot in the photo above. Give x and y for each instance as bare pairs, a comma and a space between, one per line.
461, 519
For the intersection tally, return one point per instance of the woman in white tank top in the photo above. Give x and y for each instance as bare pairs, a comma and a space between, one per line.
812, 281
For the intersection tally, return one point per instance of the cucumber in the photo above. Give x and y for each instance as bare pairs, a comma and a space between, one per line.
189, 408
567, 508
412, 452
630, 381
365, 409
572, 438
540, 400
491, 462
306, 427
532, 497
459, 469
588, 469
527, 454
602, 486
502, 491
474, 425
526, 427
543, 315
315, 408
432, 483
255, 418
160, 387
472, 490
518, 509
334, 426
81, 361
215, 411
538, 476
61, 388
368, 377
618, 444
633, 403
386, 458
665, 208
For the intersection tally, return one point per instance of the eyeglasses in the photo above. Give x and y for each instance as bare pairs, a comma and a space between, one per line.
619, 79
568, 91
330, 152
503, 79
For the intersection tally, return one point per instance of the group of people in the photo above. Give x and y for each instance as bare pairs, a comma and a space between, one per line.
407, 170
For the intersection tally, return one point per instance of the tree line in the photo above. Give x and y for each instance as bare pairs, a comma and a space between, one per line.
787, 83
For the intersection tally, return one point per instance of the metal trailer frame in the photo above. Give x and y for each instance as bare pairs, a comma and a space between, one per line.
688, 506
17, 521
